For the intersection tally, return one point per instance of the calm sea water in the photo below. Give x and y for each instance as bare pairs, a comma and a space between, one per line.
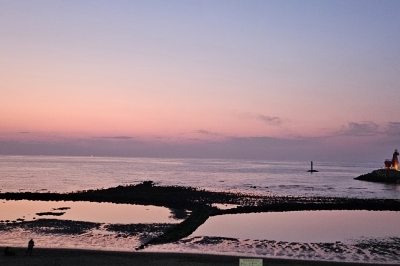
63, 174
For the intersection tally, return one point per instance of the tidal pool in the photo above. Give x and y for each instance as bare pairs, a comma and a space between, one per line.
304, 226
85, 211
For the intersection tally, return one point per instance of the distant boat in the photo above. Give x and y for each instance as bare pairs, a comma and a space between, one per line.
312, 170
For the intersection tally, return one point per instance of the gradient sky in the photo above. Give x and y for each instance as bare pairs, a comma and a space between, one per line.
276, 80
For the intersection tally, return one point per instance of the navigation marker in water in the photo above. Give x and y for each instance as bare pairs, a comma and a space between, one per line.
312, 170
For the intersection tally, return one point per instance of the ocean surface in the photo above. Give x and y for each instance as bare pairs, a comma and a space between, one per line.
347, 236
64, 174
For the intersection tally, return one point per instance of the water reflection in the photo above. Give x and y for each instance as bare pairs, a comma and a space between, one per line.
304, 226
88, 211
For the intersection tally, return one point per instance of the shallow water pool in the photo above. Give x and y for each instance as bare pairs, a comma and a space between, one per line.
304, 226
85, 211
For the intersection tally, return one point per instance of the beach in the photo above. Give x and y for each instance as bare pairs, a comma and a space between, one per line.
120, 223
112, 240
67, 257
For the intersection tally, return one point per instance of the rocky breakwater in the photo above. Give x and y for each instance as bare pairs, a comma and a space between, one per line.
381, 175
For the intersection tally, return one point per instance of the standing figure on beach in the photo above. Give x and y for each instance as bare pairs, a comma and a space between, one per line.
30, 247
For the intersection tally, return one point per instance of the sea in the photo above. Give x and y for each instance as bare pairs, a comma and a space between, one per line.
320, 235
66, 174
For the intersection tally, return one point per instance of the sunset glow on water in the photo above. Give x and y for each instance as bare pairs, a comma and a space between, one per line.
304, 226
85, 211
66, 174
287, 235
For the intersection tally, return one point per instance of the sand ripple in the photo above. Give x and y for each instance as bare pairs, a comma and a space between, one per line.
366, 250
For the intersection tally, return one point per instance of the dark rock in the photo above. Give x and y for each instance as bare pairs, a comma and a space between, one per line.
50, 213
381, 175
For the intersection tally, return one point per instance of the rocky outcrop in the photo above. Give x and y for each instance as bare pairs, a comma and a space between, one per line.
381, 175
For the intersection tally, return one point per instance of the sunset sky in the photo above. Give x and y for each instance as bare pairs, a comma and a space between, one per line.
274, 80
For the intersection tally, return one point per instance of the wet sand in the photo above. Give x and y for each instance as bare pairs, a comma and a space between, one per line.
68, 257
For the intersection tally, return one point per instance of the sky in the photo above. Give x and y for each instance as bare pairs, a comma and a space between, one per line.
266, 80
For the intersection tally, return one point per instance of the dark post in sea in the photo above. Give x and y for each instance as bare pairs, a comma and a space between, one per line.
312, 170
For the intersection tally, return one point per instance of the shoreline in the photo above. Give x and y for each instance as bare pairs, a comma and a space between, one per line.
200, 203
61, 257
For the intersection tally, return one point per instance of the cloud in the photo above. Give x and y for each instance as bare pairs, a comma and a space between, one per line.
258, 148
206, 132
117, 137
393, 129
390, 134
344, 144
365, 128
369, 129
270, 120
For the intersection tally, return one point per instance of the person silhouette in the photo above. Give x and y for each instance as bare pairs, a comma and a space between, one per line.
31, 243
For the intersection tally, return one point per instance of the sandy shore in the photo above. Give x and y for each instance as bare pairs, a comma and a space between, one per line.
69, 257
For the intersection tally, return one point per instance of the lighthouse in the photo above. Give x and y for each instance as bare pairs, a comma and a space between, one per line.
394, 163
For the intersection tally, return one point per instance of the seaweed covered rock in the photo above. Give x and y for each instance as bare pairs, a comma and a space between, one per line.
381, 175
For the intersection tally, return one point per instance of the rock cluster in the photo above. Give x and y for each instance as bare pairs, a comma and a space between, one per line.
381, 175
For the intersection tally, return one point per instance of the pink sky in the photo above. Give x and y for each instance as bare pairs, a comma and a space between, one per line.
317, 77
